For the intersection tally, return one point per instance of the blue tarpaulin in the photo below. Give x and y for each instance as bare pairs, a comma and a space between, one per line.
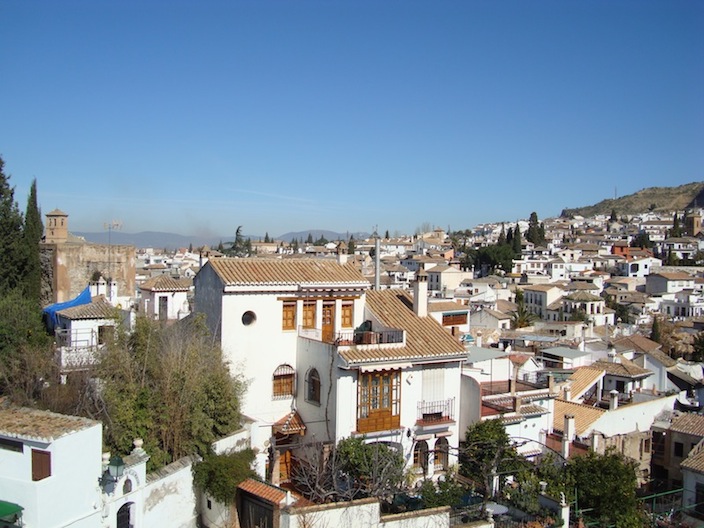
50, 311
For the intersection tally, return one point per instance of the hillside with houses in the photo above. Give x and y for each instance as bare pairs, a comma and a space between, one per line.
362, 371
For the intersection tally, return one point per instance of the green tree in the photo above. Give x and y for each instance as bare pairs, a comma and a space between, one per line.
219, 475
614, 216
606, 488
521, 317
26, 356
12, 254
31, 237
488, 455
309, 240
676, 230
533, 233
238, 247
502, 237
267, 240
386, 234
516, 240
655, 330
698, 347
169, 386
641, 240
351, 246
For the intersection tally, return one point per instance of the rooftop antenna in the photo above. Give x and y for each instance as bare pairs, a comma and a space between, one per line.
111, 226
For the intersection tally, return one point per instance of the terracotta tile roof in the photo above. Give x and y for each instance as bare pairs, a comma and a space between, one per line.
446, 306
584, 416
688, 423
662, 358
625, 368
541, 287
166, 283
582, 379
495, 314
98, 309
674, 276
506, 306
695, 459
247, 271
638, 343
264, 491
425, 337
583, 296
292, 423
44, 426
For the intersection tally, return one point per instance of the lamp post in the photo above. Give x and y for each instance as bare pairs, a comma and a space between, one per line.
112, 473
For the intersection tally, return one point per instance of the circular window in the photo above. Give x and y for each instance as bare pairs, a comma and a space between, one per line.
248, 318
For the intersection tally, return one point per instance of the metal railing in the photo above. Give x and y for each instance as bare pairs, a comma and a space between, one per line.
436, 411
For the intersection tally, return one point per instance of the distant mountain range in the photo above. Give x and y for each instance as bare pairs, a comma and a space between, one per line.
657, 199
157, 239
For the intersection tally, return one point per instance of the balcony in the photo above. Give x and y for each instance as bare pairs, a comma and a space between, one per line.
355, 337
435, 412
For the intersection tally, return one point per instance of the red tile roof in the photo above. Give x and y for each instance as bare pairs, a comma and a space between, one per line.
264, 491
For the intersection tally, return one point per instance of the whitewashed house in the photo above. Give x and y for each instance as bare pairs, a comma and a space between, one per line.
82, 331
165, 298
326, 358
54, 474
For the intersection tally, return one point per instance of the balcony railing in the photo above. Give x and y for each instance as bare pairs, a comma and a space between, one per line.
436, 412
354, 337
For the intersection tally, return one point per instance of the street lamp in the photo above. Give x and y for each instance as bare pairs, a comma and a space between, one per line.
113, 472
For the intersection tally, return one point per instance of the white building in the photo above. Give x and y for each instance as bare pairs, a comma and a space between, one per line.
327, 358
165, 298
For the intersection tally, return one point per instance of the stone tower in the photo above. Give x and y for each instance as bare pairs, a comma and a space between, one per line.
56, 230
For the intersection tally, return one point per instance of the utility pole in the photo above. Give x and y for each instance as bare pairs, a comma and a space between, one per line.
110, 226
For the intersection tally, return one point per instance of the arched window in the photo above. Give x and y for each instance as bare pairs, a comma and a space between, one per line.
284, 381
127, 486
420, 456
313, 386
442, 451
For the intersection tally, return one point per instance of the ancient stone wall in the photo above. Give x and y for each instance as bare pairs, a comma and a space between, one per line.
74, 264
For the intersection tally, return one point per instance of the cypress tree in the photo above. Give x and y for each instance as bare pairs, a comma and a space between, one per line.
32, 235
502, 237
11, 248
655, 331
516, 241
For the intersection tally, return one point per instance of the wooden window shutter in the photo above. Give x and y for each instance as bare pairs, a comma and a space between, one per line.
41, 464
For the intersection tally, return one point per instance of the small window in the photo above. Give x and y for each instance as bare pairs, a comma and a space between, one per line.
248, 318
288, 321
106, 334
679, 449
127, 487
284, 382
11, 445
347, 314
309, 314
313, 386
41, 464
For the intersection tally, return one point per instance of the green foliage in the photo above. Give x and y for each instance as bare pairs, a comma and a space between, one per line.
614, 216
374, 468
534, 233
516, 241
521, 317
487, 453
169, 386
238, 247
26, 357
219, 475
351, 246
492, 258
655, 330
31, 237
641, 240
446, 492
309, 240
606, 487
267, 240
321, 241
676, 230
386, 234
12, 254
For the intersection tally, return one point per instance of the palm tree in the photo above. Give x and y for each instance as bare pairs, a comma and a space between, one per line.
521, 317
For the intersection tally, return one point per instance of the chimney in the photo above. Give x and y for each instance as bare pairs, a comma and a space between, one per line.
551, 383
420, 294
611, 353
613, 400
479, 339
342, 253
517, 403
567, 393
567, 435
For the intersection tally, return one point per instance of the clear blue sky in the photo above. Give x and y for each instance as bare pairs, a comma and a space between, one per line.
196, 117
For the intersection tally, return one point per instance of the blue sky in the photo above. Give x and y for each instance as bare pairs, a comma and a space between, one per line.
196, 117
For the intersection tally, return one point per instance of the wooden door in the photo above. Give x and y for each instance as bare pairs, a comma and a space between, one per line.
328, 321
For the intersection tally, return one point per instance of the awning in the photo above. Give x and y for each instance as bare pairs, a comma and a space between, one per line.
290, 424
8, 509
376, 367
